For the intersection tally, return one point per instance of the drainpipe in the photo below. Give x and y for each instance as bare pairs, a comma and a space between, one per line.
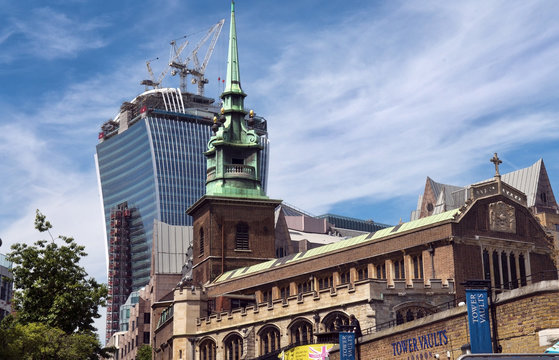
222, 247
432, 253
497, 348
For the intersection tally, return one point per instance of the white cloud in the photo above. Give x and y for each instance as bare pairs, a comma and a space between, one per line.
49, 34
376, 106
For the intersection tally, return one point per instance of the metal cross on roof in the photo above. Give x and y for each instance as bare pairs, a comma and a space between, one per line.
496, 161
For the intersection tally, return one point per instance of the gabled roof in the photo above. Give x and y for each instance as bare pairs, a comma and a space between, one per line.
527, 180
443, 191
340, 245
532, 180
446, 196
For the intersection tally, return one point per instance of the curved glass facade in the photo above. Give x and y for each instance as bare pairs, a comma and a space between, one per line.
157, 167
180, 166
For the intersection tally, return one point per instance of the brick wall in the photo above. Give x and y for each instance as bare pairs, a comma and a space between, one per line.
363, 252
219, 217
521, 314
469, 265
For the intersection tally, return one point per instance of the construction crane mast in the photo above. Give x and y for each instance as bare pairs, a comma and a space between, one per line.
199, 69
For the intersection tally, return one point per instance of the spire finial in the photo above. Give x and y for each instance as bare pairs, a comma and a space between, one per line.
233, 80
496, 161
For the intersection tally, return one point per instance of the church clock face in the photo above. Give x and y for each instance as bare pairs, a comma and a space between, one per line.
502, 217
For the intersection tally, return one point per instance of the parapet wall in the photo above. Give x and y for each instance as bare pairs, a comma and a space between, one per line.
342, 297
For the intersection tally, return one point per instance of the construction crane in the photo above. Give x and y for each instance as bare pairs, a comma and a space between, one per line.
197, 72
152, 82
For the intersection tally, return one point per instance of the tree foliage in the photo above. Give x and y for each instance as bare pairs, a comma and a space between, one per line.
41, 341
55, 302
144, 352
51, 287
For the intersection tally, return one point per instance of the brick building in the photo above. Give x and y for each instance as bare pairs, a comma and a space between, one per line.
240, 301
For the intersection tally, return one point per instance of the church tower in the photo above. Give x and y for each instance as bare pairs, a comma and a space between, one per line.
234, 221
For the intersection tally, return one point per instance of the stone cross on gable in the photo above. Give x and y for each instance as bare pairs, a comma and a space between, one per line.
496, 161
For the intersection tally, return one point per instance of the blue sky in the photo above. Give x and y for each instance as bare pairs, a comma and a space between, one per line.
364, 99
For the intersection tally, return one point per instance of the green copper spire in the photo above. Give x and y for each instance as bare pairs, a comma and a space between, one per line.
233, 155
233, 82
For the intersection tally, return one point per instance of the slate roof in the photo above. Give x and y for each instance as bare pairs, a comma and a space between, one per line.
526, 180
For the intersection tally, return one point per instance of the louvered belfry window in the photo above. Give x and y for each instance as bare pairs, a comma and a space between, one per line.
201, 241
241, 238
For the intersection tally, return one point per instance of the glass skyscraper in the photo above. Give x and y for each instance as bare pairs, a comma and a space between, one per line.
151, 165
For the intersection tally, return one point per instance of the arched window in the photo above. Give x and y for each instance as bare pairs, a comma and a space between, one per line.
399, 271
362, 273
269, 340
304, 287
207, 350
241, 236
325, 282
301, 332
284, 292
201, 242
344, 277
418, 267
233, 347
381, 271
335, 321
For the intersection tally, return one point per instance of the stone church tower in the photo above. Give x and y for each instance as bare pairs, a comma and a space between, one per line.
234, 221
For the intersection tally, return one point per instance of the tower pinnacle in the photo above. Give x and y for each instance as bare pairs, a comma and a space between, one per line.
233, 80
233, 155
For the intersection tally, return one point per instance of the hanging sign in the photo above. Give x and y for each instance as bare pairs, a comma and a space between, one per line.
478, 321
347, 346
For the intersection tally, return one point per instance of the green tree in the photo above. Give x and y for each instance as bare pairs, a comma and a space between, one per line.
55, 302
144, 352
51, 287
40, 341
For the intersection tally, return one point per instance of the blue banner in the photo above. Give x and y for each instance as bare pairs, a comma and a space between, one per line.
478, 321
347, 346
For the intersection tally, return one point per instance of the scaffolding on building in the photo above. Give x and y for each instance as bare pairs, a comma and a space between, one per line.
120, 279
